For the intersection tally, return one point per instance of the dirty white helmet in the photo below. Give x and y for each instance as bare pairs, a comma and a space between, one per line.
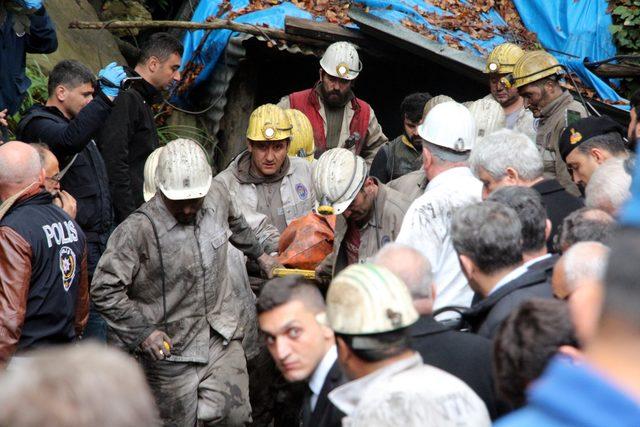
183, 171
438, 99
337, 177
150, 166
449, 125
489, 116
341, 60
368, 299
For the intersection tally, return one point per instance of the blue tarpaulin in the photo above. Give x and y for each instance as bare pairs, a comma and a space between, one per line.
579, 29
573, 31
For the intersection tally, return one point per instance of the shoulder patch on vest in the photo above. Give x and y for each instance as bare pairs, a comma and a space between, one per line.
302, 191
67, 266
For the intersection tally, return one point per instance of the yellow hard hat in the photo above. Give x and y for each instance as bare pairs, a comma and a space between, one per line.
267, 123
531, 67
503, 58
302, 144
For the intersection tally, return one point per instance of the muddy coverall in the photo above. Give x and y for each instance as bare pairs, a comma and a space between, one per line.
190, 297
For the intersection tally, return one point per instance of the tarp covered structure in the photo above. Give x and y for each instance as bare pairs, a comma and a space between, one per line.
572, 31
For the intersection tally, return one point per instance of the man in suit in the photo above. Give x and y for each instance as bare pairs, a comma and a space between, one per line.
302, 348
466, 356
488, 239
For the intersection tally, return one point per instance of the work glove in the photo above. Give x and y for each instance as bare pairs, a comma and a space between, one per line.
31, 4
111, 78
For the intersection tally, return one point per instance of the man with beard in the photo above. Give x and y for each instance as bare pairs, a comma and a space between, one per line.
369, 213
163, 286
339, 119
403, 154
500, 63
537, 76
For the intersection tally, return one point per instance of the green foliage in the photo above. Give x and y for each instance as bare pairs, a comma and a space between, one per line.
626, 31
170, 132
36, 94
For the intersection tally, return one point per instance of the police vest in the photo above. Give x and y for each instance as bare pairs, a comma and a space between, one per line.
57, 247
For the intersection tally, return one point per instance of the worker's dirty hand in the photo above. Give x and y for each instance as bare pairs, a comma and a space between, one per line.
157, 345
267, 263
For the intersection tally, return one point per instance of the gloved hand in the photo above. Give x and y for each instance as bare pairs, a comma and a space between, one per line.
31, 4
114, 74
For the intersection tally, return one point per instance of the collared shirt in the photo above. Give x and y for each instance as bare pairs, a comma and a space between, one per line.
427, 228
512, 275
427, 393
320, 374
536, 260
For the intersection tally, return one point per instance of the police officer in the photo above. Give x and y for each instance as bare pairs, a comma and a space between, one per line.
370, 213
43, 262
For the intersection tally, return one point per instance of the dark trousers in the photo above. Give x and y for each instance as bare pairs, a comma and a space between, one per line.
96, 326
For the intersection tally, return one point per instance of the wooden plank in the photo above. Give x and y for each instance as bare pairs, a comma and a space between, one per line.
322, 30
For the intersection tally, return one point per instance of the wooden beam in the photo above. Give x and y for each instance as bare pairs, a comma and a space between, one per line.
322, 30
213, 24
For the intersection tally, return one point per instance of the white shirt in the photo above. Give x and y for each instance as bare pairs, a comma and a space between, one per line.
320, 374
512, 275
427, 228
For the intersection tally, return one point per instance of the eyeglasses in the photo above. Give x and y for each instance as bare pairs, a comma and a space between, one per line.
55, 178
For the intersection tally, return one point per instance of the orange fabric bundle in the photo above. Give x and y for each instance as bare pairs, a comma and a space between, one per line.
307, 241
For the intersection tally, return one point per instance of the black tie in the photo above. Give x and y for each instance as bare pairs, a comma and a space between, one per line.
306, 408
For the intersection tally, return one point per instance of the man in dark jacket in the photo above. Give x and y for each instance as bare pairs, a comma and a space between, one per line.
507, 158
302, 348
129, 135
67, 123
404, 154
488, 239
26, 28
43, 265
466, 356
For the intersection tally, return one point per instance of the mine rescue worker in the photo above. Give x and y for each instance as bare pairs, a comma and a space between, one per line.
370, 311
303, 348
370, 213
500, 63
302, 143
43, 262
448, 134
404, 154
339, 119
163, 288
272, 188
537, 76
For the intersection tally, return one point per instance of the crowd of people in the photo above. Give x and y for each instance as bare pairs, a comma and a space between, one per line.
476, 269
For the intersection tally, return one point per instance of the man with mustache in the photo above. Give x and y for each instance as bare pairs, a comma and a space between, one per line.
339, 119
403, 154
500, 63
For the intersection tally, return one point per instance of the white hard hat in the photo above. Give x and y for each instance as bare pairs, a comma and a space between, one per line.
489, 116
183, 170
368, 299
338, 176
449, 125
150, 166
341, 60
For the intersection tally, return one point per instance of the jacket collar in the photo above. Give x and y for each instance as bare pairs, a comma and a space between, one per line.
548, 186
148, 92
378, 204
426, 325
448, 177
556, 105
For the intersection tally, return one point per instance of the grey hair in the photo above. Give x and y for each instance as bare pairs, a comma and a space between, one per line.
69, 386
585, 261
15, 173
490, 234
585, 224
504, 149
445, 155
410, 265
609, 186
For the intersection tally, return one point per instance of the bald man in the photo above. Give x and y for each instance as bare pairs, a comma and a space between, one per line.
466, 356
44, 298
578, 279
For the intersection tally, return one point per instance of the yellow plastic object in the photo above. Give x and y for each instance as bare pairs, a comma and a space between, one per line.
284, 272
166, 345
268, 123
302, 144
534, 66
503, 58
